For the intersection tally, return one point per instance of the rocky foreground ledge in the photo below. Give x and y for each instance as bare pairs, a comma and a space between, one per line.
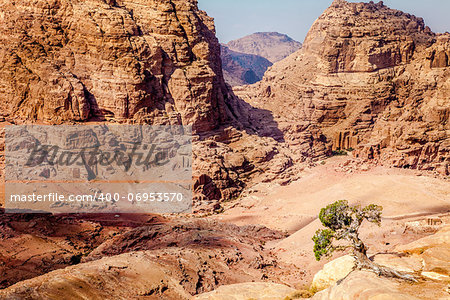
428, 256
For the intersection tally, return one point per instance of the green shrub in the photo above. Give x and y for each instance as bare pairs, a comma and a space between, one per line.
340, 153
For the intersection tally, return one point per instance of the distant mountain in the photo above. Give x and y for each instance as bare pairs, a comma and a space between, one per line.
244, 61
241, 68
272, 45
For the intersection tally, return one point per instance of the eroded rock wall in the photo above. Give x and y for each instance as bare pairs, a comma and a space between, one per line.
370, 78
152, 61
133, 61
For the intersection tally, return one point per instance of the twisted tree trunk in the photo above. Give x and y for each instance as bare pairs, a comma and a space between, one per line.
364, 263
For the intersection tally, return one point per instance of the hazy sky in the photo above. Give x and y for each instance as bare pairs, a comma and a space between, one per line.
237, 18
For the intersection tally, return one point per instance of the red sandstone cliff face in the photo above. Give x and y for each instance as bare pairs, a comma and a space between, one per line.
152, 61
134, 61
370, 78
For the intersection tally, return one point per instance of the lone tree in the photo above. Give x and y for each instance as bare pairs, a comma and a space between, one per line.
342, 222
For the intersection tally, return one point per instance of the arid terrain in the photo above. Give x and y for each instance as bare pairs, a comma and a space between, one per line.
361, 112
264, 236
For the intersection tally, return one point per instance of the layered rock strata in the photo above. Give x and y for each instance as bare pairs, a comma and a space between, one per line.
369, 78
154, 61
129, 61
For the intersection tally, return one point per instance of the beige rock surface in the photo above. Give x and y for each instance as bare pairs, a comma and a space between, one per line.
407, 264
245, 291
332, 272
434, 252
441, 238
431, 264
364, 286
131, 275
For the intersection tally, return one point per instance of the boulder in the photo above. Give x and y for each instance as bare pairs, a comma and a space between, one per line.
332, 272
364, 285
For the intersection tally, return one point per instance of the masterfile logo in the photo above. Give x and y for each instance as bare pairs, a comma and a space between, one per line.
98, 168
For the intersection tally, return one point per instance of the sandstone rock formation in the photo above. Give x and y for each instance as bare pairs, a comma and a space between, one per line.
245, 291
273, 46
241, 68
154, 61
434, 254
364, 285
332, 272
370, 78
130, 256
427, 257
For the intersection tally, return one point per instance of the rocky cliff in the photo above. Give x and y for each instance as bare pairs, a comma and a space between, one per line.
134, 61
369, 78
151, 61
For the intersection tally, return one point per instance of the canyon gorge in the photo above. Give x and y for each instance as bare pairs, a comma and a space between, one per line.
361, 111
